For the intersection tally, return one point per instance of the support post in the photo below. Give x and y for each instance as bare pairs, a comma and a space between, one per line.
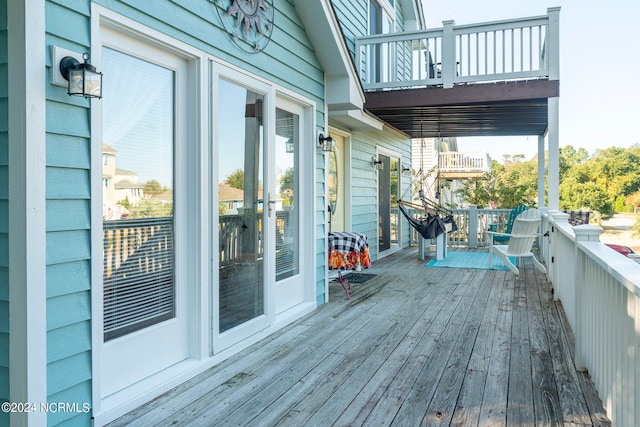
553, 63
473, 226
553, 171
541, 172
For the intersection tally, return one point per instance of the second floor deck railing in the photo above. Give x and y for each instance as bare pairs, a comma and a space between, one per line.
517, 49
459, 161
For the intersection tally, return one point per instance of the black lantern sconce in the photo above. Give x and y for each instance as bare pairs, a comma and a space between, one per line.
406, 170
327, 143
290, 146
83, 78
377, 163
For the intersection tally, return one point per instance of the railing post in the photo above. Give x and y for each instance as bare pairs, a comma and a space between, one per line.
557, 217
358, 54
473, 226
448, 54
584, 233
553, 40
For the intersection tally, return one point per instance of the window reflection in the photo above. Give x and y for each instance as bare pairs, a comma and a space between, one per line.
137, 189
241, 207
287, 185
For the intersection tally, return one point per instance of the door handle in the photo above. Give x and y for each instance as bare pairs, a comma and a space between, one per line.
270, 202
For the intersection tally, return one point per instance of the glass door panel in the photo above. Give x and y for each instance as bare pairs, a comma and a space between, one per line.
394, 181
145, 319
288, 190
384, 205
241, 207
388, 188
137, 196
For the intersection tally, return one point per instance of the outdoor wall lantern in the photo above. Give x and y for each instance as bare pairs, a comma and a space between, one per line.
377, 163
83, 78
290, 146
406, 170
326, 142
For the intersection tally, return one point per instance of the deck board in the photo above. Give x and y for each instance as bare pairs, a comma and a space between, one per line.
414, 346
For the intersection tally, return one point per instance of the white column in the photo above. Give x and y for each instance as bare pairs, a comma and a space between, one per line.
553, 172
27, 219
541, 172
553, 61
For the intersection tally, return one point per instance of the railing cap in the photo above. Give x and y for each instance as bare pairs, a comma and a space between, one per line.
559, 216
587, 233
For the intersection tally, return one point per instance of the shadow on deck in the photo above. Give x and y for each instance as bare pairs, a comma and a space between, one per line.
414, 346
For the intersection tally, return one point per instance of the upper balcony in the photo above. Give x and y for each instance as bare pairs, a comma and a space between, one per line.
460, 164
469, 80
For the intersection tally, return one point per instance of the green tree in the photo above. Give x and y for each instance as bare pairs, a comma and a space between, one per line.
570, 157
152, 188
125, 203
150, 208
633, 200
287, 182
575, 195
615, 171
236, 179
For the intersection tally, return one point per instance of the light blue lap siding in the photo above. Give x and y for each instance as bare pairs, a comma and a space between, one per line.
4, 218
68, 194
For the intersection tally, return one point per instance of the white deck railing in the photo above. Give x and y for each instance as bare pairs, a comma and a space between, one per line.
600, 293
516, 49
458, 161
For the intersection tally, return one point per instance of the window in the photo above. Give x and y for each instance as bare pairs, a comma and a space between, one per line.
381, 14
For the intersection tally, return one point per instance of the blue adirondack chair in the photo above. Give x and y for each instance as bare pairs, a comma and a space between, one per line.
512, 217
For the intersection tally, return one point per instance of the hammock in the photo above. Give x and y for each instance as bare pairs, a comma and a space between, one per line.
438, 218
429, 227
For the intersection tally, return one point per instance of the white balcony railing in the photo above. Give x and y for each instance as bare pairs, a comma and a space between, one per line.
457, 161
517, 49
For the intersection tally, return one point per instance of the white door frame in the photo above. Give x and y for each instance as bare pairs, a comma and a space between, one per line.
188, 227
347, 172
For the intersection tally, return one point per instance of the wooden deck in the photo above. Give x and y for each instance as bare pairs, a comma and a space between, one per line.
414, 346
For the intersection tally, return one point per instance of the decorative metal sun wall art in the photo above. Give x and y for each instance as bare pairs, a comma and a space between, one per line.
248, 22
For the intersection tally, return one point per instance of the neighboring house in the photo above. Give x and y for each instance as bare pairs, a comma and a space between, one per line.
230, 199
191, 92
440, 170
119, 186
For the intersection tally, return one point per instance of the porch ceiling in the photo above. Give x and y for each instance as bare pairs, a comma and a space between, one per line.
492, 109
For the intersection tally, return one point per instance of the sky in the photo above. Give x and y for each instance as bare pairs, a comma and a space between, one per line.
599, 69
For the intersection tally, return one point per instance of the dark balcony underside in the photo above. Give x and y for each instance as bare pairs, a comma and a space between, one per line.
490, 109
